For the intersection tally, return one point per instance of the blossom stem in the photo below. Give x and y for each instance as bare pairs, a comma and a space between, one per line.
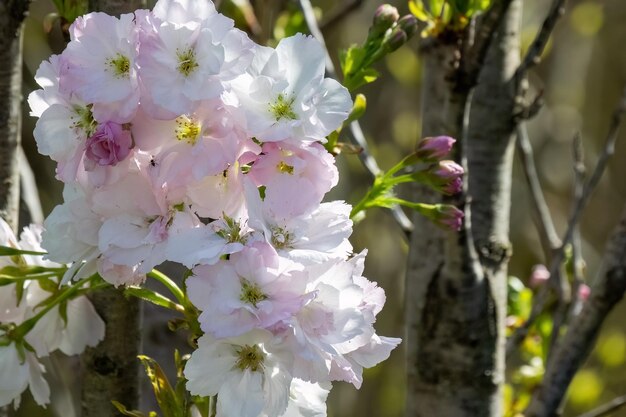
66, 294
170, 284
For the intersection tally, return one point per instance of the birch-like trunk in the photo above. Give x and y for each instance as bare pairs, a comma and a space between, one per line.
456, 282
111, 369
12, 14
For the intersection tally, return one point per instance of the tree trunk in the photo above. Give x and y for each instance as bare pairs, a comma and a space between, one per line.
456, 282
12, 14
111, 369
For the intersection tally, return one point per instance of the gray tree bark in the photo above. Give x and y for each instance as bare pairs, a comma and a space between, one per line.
12, 14
456, 282
111, 369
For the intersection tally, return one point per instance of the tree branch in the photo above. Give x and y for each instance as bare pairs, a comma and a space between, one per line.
533, 55
549, 238
357, 136
608, 150
606, 409
580, 338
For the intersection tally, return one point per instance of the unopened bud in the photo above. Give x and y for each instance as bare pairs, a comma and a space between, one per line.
538, 276
409, 25
395, 40
583, 292
384, 17
448, 177
448, 217
433, 149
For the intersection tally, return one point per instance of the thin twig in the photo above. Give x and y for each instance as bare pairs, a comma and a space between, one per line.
577, 257
533, 56
549, 238
357, 136
608, 150
338, 13
606, 409
565, 313
575, 346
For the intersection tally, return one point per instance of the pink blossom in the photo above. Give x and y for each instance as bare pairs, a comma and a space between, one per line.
307, 172
433, 149
539, 276
110, 144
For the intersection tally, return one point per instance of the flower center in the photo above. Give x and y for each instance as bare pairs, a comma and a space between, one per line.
251, 293
282, 108
186, 61
84, 120
231, 233
250, 357
187, 129
284, 168
120, 65
281, 238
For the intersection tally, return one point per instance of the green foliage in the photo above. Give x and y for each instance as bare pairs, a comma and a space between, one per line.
69, 10
381, 194
387, 34
441, 16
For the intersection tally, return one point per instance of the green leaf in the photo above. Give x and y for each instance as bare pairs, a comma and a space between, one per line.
9, 251
169, 403
352, 60
358, 109
153, 297
361, 78
416, 7
122, 409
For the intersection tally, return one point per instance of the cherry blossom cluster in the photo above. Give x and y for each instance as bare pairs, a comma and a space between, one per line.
180, 139
70, 332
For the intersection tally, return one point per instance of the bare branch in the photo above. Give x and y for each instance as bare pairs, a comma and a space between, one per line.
338, 13
606, 409
541, 298
533, 56
357, 136
549, 238
579, 340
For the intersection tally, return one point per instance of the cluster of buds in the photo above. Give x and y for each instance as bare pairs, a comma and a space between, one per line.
443, 175
394, 30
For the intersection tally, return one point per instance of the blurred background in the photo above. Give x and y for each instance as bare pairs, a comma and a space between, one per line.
582, 76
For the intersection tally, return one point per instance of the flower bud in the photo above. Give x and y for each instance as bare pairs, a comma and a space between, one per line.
408, 24
539, 276
448, 217
583, 292
433, 149
384, 17
394, 41
446, 176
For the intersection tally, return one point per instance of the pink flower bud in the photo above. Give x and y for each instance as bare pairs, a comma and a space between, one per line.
110, 144
433, 149
448, 217
447, 176
384, 17
408, 24
397, 38
538, 276
584, 292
